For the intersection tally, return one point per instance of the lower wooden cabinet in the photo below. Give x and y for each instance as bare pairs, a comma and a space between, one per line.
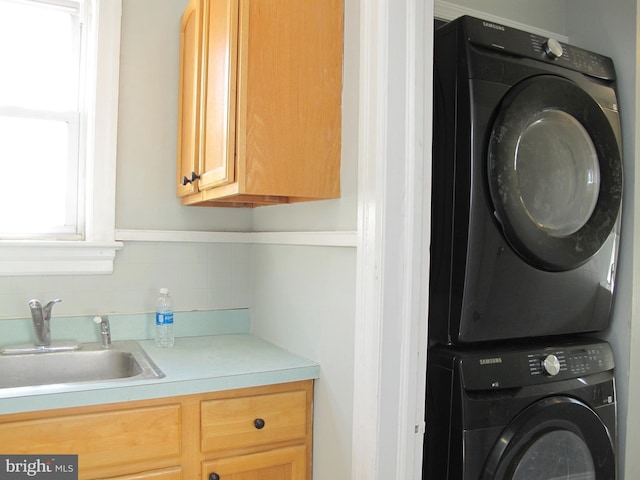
247, 434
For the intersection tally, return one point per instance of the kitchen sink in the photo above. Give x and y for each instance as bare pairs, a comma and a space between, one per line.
90, 363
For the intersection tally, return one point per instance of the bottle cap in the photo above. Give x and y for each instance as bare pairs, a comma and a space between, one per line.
164, 291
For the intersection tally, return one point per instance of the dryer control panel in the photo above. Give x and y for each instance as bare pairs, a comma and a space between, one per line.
515, 367
510, 40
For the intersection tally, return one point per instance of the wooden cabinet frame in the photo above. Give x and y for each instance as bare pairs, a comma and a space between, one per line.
260, 102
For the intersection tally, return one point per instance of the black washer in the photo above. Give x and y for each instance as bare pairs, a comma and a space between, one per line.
498, 414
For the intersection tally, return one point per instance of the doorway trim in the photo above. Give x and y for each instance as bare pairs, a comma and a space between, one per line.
394, 168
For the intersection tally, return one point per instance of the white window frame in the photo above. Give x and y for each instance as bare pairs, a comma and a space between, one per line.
96, 252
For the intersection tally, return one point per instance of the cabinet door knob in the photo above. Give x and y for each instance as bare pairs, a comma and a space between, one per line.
192, 178
214, 476
259, 423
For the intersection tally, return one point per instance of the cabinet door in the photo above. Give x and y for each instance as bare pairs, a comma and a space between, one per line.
188, 108
124, 440
218, 127
280, 464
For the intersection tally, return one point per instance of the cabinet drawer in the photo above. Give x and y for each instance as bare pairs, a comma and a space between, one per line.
255, 420
100, 439
279, 464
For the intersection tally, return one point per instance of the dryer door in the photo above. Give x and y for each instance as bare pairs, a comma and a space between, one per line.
555, 438
555, 173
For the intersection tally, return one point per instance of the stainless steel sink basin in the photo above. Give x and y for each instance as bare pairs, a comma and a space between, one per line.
124, 360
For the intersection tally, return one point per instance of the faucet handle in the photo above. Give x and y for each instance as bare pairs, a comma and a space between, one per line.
102, 320
46, 310
105, 329
50, 305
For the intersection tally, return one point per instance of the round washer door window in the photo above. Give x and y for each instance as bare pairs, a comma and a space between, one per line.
555, 438
555, 173
559, 454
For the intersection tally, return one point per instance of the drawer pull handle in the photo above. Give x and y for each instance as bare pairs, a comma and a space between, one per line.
259, 423
214, 476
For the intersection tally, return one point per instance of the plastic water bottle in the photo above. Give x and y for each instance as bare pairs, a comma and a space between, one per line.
164, 320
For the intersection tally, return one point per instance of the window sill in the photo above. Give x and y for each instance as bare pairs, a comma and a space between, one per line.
56, 257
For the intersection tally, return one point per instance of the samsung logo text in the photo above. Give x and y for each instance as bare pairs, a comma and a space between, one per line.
490, 361
495, 26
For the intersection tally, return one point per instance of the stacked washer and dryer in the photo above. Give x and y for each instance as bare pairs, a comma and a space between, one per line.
527, 191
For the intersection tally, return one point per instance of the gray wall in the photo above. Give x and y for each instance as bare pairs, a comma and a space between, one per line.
544, 14
612, 29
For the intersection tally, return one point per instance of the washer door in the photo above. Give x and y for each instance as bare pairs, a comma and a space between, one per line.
555, 438
555, 173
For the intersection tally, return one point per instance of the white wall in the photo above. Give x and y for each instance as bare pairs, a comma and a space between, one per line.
148, 125
199, 276
303, 300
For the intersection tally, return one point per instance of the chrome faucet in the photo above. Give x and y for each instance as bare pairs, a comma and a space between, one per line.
105, 330
41, 321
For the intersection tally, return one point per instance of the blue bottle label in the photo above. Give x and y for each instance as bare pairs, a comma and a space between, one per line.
164, 318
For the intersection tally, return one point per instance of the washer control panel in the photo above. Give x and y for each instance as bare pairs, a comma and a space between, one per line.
529, 45
580, 362
514, 367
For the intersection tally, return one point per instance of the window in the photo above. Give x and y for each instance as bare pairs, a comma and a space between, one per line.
58, 119
40, 157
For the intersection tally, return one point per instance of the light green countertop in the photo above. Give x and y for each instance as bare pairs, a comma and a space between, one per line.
194, 365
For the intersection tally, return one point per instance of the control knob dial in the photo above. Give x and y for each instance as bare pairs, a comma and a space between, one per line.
552, 48
551, 365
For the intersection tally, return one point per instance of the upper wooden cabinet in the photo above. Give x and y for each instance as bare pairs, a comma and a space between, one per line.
260, 102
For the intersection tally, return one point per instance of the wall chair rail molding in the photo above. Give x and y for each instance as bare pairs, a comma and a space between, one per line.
316, 239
